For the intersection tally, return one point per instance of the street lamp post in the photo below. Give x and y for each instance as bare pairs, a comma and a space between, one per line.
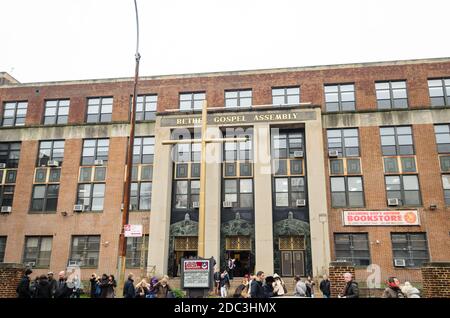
129, 166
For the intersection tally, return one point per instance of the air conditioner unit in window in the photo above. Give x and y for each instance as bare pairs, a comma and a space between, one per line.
298, 154
73, 263
393, 202
5, 209
300, 202
30, 264
52, 163
227, 204
2, 165
129, 208
78, 208
399, 262
333, 153
98, 162
195, 205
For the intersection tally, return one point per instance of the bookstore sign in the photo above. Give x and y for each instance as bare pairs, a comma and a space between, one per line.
381, 218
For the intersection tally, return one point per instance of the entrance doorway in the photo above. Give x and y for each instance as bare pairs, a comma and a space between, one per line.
292, 249
242, 263
292, 263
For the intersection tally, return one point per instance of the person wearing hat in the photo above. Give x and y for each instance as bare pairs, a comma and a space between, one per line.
279, 288
52, 282
410, 291
23, 289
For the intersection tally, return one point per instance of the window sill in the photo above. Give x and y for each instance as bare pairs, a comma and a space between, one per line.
42, 212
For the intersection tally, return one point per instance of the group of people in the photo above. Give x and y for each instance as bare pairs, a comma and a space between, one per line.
105, 286
46, 286
261, 286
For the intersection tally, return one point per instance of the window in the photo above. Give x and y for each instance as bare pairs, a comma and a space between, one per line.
38, 250
442, 133
396, 141
439, 91
10, 154
141, 193
345, 141
45, 197
391, 94
2, 248
85, 250
137, 250
288, 191
192, 101
91, 196
94, 149
411, 247
14, 113
340, 97
143, 150
186, 192
405, 188
286, 96
56, 111
347, 192
239, 192
238, 98
6, 195
352, 247
285, 144
145, 107
99, 110
446, 185
50, 150
238, 150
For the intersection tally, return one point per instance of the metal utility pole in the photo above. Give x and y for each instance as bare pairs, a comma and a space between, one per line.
129, 166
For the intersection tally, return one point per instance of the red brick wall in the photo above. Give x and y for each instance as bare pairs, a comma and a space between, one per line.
10, 276
436, 280
336, 277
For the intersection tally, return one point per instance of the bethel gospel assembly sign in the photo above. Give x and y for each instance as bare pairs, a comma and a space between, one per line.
218, 119
380, 218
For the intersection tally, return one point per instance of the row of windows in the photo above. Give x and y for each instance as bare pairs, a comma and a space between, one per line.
410, 249
84, 251
338, 97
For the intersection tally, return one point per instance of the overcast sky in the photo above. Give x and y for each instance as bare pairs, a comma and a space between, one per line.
49, 40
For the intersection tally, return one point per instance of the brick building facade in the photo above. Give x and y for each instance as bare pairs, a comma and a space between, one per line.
360, 134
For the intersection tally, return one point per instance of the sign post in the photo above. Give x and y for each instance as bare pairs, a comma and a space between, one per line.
197, 276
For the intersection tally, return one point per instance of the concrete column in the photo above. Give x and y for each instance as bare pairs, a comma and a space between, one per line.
263, 194
161, 200
317, 195
213, 195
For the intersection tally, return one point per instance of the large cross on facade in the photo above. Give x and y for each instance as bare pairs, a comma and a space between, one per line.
203, 140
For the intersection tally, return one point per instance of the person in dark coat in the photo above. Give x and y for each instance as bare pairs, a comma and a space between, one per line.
325, 287
43, 288
351, 288
93, 282
104, 285
256, 288
268, 287
23, 289
62, 290
53, 283
393, 290
128, 289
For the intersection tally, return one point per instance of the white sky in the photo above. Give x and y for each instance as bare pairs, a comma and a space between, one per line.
47, 40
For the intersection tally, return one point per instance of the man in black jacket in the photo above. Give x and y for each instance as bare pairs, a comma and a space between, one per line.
128, 289
351, 288
23, 290
62, 290
53, 283
256, 289
325, 287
